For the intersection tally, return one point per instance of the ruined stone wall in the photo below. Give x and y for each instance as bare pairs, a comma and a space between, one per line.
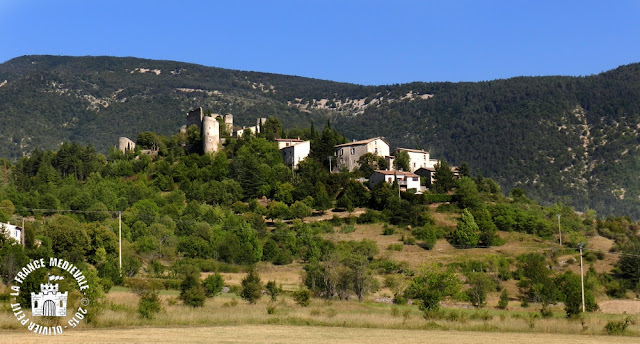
195, 117
125, 145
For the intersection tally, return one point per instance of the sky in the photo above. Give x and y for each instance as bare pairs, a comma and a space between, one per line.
366, 42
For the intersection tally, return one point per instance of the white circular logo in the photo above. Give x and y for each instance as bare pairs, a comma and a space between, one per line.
49, 304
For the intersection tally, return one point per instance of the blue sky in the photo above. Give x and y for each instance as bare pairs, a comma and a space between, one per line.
365, 42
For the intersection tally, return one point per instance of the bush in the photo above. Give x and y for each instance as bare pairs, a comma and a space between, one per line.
409, 240
213, 284
438, 198
504, 300
251, 287
336, 220
273, 290
149, 305
395, 247
617, 327
388, 230
447, 208
302, 297
347, 229
191, 292
426, 234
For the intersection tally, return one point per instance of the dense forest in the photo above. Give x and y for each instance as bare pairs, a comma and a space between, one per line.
184, 212
568, 139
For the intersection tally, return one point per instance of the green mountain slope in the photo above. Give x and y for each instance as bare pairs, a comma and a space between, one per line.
569, 138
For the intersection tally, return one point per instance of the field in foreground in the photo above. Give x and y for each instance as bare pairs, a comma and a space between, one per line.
299, 334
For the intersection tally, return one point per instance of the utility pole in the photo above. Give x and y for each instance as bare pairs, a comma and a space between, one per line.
581, 245
329, 157
120, 238
559, 231
22, 234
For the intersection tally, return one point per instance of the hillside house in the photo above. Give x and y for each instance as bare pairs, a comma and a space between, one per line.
11, 231
418, 159
295, 152
347, 154
406, 180
287, 142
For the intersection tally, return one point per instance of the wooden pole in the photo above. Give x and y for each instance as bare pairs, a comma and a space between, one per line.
582, 277
120, 238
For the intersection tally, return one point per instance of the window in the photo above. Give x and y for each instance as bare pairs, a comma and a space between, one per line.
415, 179
342, 151
353, 151
390, 180
376, 150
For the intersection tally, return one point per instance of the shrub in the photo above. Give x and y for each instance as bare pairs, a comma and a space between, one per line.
149, 305
617, 327
191, 292
438, 198
251, 287
395, 247
213, 284
409, 240
336, 220
426, 234
273, 290
388, 230
447, 208
503, 302
302, 297
347, 229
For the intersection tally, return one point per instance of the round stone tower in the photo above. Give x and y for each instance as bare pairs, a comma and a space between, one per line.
210, 134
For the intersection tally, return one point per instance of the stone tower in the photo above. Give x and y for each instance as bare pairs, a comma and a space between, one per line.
210, 134
195, 116
228, 122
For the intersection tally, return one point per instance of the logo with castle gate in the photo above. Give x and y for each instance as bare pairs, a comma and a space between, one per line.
49, 304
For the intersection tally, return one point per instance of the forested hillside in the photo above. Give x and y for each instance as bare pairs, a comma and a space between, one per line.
568, 138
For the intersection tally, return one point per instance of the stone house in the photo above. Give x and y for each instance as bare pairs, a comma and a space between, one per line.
347, 154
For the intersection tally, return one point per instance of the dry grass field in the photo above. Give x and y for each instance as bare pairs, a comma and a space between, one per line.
271, 334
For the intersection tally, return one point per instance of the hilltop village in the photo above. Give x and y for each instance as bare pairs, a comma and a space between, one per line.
415, 174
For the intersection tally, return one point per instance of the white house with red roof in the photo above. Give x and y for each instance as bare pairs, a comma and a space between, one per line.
406, 180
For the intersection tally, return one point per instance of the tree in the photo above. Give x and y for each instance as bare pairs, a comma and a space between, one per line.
344, 202
191, 291
443, 176
479, 285
467, 194
431, 286
370, 162
299, 210
251, 287
322, 201
149, 304
271, 129
402, 161
629, 263
536, 283
503, 302
213, 284
467, 233
464, 170
571, 294
69, 239
273, 290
